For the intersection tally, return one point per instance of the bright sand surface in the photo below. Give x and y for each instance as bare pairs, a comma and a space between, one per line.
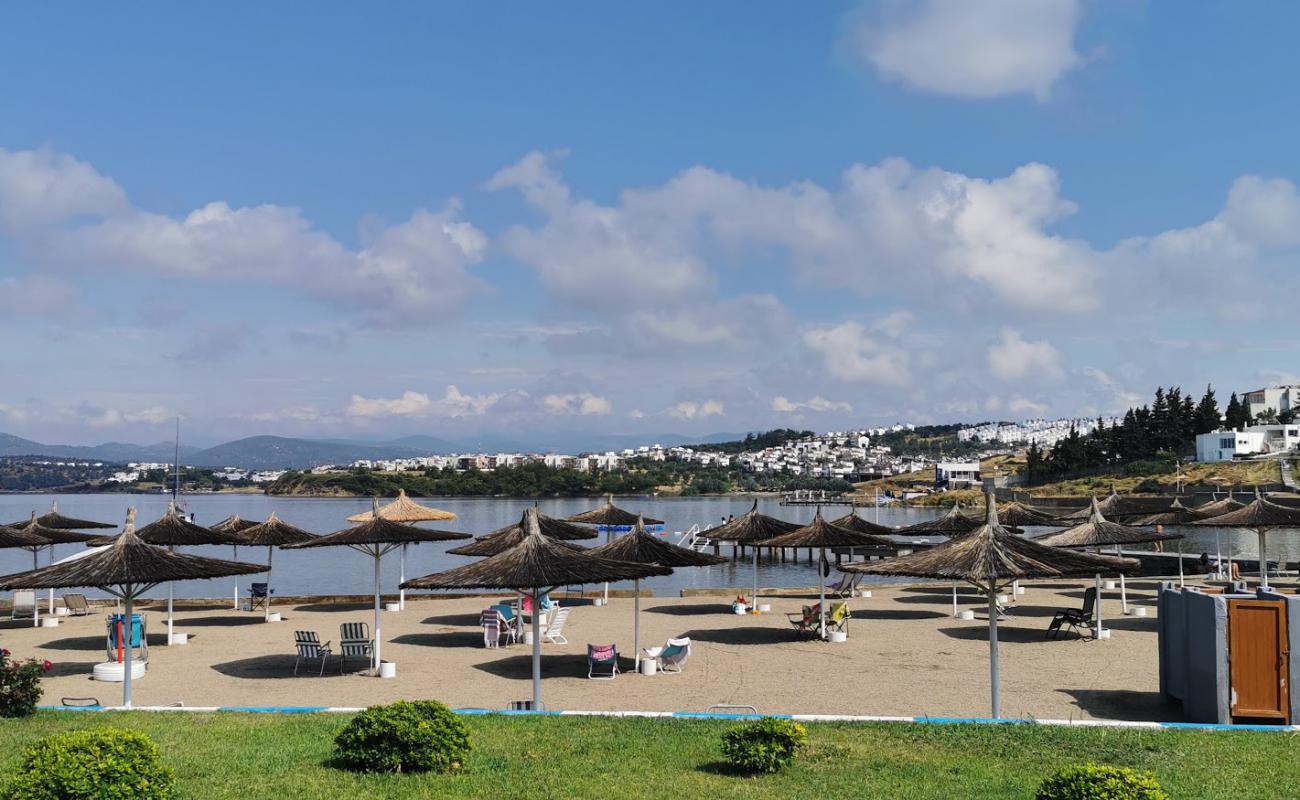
905, 655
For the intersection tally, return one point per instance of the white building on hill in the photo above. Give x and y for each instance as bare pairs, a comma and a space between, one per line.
1250, 441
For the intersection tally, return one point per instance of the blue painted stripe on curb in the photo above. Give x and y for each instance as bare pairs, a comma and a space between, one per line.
275, 709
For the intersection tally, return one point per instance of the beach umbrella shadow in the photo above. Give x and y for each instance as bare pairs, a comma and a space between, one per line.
442, 639
464, 620
692, 610
887, 613
275, 667
224, 621
520, 667
742, 636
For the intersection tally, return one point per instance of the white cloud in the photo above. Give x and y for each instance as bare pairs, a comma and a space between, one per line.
972, 49
37, 295
1012, 358
689, 409
65, 214
453, 403
816, 403
113, 417
583, 404
1020, 405
849, 354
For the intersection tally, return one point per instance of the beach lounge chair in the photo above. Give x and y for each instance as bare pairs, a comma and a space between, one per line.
555, 628
24, 606
76, 605
806, 621
493, 625
354, 642
1076, 619
602, 656
309, 647
509, 620
257, 596
838, 618
673, 657
846, 585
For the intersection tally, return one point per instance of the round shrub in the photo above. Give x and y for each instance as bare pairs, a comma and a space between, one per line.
100, 764
1099, 782
421, 736
768, 745
20, 685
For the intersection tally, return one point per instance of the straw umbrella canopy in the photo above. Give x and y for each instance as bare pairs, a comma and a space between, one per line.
609, 517
52, 536
1100, 532
127, 568
1018, 515
538, 563
953, 523
500, 542
275, 532
749, 528
1176, 514
53, 519
408, 512
642, 547
377, 537
990, 557
1119, 507
821, 534
550, 527
11, 537
1261, 516
233, 524
854, 522
1216, 508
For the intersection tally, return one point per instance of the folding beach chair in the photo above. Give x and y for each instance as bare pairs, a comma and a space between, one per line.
555, 628
76, 605
257, 596
807, 620
509, 620
24, 606
846, 585
602, 655
137, 638
355, 642
838, 618
1076, 619
673, 657
309, 647
493, 626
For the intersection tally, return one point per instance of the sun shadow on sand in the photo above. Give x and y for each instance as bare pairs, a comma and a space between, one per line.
1125, 705
744, 635
447, 639
940, 600
520, 667
452, 619
275, 667
76, 669
336, 606
978, 631
695, 609
904, 613
217, 622
94, 642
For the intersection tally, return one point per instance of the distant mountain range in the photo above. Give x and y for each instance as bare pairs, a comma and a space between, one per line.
280, 452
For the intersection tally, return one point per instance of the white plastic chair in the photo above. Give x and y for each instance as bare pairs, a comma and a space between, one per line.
24, 606
555, 629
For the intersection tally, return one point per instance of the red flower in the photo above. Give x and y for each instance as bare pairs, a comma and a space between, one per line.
46, 665
4, 653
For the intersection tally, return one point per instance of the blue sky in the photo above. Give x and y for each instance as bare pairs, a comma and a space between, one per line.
381, 220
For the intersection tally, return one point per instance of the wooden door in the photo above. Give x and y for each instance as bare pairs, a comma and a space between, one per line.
1258, 659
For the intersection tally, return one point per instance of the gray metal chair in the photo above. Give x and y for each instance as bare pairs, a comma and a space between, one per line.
309, 648
354, 642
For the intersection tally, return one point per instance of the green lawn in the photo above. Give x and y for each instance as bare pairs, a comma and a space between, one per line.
250, 756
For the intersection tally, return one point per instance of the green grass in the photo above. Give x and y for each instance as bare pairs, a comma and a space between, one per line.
248, 756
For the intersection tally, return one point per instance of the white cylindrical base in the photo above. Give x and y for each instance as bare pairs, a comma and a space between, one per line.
649, 666
740, 609
1020, 590
966, 614
49, 622
764, 608
274, 616
387, 669
1108, 585
60, 612
179, 638
392, 606
528, 636
1105, 633
113, 672
837, 636
1003, 599
1137, 611
599, 601
864, 593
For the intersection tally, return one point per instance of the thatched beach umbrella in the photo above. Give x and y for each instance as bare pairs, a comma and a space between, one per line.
173, 530
500, 542
990, 558
747, 529
275, 532
376, 537
1176, 514
821, 534
1018, 515
1099, 532
52, 536
233, 524
1263, 517
854, 522
13, 538
538, 563
642, 547
408, 512
608, 518
53, 519
953, 522
550, 527
1119, 508
126, 569
1216, 508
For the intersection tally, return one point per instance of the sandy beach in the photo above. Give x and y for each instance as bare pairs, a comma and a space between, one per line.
905, 655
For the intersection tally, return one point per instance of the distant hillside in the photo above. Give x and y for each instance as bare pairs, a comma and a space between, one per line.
280, 452
752, 441
109, 451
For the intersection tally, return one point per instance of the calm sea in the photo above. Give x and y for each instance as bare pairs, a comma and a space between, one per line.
343, 571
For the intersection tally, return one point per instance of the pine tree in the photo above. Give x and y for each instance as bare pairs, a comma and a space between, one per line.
1238, 414
1207, 417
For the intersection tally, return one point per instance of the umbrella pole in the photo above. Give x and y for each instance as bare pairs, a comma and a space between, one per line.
821, 592
755, 605
234, 549
1123, 592
1182, 584
375, 650
537, 650
268, 583
636, 625
36, 607
51, 561
996, 689
954, 601
1096, 612
609, 537
171, 597
1263, 560
130, 626
401, 579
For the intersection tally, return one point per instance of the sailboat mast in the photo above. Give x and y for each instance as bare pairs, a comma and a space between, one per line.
176, 486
